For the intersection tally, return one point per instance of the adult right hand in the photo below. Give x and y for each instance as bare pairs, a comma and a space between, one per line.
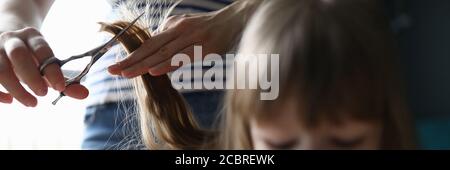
21, 53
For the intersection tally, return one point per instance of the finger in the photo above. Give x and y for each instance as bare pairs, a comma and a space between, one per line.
175, 21
76, 91
163, 68
169, 23
166, 66
11, 83
42, 52
165, 53
5, 98
149, 47
24, 65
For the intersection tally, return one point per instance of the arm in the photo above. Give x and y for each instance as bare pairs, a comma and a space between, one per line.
18, 14
216, 32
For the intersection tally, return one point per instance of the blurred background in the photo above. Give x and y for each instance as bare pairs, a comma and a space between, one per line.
422, 29
70, 28
423, 33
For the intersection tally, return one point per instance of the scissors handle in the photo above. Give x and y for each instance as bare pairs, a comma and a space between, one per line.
95, 55
54, 60
49, 61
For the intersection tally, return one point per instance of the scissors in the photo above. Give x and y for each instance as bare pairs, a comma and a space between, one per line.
95, 55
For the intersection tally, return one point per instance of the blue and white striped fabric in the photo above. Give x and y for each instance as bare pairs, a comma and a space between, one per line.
105, 88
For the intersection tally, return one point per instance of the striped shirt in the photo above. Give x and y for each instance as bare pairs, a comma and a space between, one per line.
106, 88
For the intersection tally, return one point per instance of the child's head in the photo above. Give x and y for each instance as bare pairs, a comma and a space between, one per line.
338, 83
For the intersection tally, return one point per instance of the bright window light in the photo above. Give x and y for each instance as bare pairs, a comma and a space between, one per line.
70, 28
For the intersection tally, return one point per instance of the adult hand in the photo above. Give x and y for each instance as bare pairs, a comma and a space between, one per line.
21, 52
216, 32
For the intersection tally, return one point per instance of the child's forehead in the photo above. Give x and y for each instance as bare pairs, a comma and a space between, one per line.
288, 121
295, 108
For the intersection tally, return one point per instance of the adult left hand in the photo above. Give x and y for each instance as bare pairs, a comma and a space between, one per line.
216, 32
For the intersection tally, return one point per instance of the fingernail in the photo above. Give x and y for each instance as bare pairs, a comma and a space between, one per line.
42, 92
114, 66
31, 103
152, 72
60, 87
127, 74
9, 100
124, 73
113, 70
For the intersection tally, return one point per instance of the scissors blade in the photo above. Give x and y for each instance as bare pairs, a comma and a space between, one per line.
99, 52
110, 42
